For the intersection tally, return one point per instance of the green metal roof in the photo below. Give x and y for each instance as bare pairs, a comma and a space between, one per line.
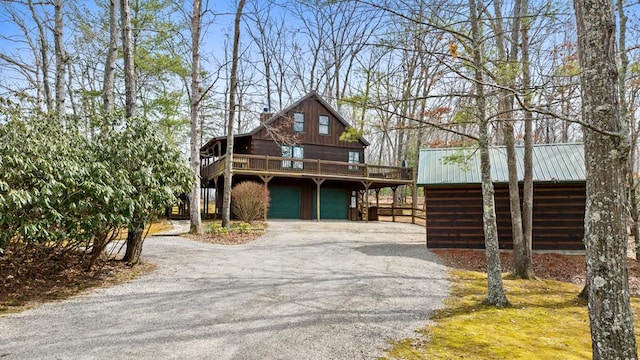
551, 163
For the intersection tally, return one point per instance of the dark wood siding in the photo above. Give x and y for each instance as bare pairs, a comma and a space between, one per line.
312, 109
265, 147
311, 151
454, 216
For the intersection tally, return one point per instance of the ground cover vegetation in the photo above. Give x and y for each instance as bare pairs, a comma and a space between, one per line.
238, 232
546, 319
249, 205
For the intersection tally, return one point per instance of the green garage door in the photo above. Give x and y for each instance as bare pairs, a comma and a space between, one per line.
285, 202
334, 204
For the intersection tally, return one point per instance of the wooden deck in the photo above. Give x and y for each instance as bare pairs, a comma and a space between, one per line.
382, 176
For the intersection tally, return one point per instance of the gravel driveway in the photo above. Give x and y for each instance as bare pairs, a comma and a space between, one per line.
305, 290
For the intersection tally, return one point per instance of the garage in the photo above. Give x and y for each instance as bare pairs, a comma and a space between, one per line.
334, 204
284, 203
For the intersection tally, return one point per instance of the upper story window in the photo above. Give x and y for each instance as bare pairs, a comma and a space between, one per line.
323, 125
354, 158
298, 122
294, 152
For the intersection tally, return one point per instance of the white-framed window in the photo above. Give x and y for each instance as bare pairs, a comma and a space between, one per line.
298, 122
354, 158
323, 125
293, 152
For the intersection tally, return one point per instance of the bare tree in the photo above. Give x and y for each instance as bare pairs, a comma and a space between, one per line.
136, 227
228, 171
507, 63
110, 63
525, 266
606, 152
61, 59
196, 95
268, 30
496, 294
44, 55
129, 67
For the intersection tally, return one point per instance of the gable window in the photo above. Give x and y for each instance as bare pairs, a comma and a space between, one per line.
323, 127
293, 152
298, 122
354, 158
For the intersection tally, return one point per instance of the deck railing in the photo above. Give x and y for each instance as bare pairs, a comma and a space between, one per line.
257, 164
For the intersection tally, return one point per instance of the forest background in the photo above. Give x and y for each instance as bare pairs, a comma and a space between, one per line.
395, 69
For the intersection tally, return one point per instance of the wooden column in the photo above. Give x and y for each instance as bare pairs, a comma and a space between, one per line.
366, 184
424, 190
215, 204
318, 183
266, 179
414, 202
205, 197
393, 204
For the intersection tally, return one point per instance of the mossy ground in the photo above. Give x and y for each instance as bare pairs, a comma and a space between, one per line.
546, 321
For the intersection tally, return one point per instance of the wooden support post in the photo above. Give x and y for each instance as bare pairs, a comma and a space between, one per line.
205, 197
366, 184
215, 206
424, 206
393, 204
266, 179
378, 198
318, 183
414, 202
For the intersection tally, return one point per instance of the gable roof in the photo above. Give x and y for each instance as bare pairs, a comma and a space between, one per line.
551, 163
281, 113
310, 95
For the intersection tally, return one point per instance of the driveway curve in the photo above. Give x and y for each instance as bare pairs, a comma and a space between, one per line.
304, 290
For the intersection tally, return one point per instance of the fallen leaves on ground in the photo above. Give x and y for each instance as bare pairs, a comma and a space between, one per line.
557, 266
50, 276
232, 238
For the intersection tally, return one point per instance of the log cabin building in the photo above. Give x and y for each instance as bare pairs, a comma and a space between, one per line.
311, 173
453, 196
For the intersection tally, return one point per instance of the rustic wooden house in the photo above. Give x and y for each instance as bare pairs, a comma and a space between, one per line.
310, 172
453, 199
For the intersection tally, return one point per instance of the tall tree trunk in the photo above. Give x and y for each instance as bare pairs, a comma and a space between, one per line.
61, 60
496, 295
525, 266
635, 215
606, 151
110, 64
44, 55
136, 227
505, 108
129, 67
626, 123
228, 171
196, 94
134, 243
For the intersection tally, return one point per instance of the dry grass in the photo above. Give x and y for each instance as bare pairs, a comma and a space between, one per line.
153, 228
546, 321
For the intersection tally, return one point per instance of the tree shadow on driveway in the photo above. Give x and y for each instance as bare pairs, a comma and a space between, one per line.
414, 251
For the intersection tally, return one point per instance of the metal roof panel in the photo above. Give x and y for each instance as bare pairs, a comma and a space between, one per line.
551, 163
